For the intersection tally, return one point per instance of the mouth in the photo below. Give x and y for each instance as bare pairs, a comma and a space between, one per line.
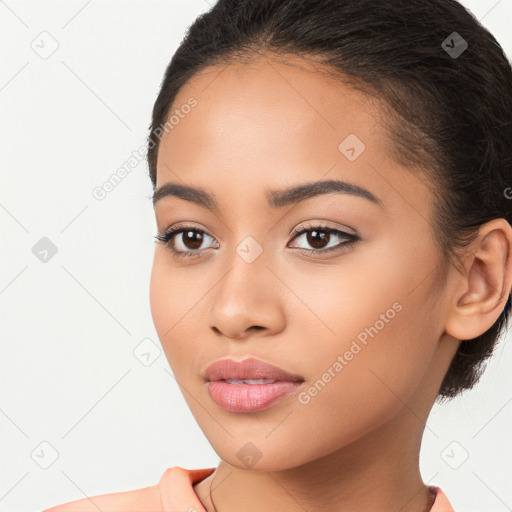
249, 385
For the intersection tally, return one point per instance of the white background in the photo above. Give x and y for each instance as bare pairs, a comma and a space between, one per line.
69, 326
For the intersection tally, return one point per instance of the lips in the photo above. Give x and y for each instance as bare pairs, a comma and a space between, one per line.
249, 386
248, 369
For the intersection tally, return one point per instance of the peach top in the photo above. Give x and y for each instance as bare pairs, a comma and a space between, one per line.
174, 493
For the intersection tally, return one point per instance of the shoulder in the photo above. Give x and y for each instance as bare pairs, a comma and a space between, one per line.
174, 491
147, 498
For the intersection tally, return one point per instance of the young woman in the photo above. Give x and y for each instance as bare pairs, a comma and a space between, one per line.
333, 196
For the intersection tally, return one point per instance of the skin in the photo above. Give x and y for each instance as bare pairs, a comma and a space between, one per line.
355, 445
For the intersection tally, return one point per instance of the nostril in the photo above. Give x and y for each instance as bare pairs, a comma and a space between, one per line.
257, 327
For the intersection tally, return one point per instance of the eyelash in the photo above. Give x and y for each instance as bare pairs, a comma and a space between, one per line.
167, 236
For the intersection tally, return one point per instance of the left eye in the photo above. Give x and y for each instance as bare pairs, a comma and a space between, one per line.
320, 236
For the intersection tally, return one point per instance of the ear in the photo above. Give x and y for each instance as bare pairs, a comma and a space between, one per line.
483, 288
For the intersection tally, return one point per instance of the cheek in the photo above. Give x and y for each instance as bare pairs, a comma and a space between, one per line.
175, 313
157, 299
163, 302
338, 306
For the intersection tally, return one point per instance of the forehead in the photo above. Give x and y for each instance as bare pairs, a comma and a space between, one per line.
266, 101
271, 123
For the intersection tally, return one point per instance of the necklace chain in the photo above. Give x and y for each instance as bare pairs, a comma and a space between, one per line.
211, 496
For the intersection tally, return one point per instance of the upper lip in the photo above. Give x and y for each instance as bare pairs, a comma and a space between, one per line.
247, 369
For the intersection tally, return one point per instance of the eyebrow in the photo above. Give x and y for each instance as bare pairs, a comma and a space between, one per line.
275, 198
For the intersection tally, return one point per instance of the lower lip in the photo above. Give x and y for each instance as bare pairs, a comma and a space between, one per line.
249, 397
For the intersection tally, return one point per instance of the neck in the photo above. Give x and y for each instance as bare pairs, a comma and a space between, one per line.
378, 472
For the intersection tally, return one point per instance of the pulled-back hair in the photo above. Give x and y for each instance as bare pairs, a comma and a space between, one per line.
448, 114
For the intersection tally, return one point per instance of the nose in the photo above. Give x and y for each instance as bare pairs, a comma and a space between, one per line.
247, 301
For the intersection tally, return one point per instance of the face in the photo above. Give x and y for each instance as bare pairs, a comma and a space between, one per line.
338, 288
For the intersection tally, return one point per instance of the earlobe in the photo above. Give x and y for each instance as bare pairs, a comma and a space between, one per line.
486, 283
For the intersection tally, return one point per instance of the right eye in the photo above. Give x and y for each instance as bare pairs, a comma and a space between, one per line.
191, 240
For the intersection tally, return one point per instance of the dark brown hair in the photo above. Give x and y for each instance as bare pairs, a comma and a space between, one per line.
448, 106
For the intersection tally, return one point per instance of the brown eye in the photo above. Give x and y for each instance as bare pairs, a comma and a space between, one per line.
185, 241
192, 239
317, 239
